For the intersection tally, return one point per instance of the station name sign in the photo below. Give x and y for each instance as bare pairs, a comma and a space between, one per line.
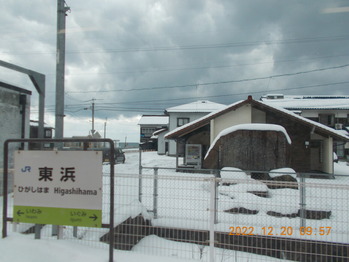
58, 187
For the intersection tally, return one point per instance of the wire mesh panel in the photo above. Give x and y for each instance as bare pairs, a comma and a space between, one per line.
231, 216
284, 217
174, 210
262, 216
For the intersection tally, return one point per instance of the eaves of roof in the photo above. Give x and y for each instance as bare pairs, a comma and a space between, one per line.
191, 126
15, 88
320, 128
316, 108
180, 132
157, 132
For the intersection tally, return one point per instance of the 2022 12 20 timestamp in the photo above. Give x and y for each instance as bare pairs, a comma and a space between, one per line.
282, 231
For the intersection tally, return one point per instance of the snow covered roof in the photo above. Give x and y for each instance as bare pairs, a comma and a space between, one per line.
198, 106
187, 128
36, 123
153, 120
198, 121
157, 132
259, 127
307, 102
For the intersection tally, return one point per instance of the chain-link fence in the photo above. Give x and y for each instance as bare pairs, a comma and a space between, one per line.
229, 215
281, 214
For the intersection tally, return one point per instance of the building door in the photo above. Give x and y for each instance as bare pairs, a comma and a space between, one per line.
316, 155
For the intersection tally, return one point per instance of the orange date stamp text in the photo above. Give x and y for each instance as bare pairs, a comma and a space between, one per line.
281, 231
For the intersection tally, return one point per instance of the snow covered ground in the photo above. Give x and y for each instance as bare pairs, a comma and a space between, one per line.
184, 201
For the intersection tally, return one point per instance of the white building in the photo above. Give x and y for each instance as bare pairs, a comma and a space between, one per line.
183, 114
151, 127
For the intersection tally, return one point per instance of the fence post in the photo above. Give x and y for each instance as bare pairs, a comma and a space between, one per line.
140, 176
212, 218
75, 232
37, 231
5, 191
155, 193
218, 175
302, 201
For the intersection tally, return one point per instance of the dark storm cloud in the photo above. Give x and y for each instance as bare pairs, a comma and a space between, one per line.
119, 52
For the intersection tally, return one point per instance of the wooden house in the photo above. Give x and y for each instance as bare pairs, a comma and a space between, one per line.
330, 110
311, 147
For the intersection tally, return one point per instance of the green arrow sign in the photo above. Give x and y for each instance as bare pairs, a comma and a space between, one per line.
58, 216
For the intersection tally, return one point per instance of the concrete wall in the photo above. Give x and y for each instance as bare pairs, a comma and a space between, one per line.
328, 155
258, 116
161, 144
240, 116
11, 123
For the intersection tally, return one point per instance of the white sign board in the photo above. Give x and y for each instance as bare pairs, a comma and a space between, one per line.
51, 185
193, 155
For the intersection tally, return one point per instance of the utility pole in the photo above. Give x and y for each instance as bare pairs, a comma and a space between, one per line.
105, 129
62, 9
93, 117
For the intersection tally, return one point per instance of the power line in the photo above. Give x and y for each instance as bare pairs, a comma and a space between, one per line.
212, 83
196, 47
220, 45
204, 67
193, 67
150, 109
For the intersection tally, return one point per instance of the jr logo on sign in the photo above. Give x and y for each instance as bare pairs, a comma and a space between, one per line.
26, 169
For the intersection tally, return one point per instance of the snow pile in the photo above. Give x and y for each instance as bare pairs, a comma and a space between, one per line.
282, 171
238, 181
341, 168
131, 210
237, 190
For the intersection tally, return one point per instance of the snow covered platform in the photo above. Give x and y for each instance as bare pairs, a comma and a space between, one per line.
133, 230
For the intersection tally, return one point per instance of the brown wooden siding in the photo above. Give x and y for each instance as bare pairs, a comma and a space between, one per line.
299, 155
250, 150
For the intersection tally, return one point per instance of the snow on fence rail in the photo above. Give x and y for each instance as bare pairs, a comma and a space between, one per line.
221, 217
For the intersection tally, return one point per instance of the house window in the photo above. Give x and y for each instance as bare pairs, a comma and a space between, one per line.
326, 119
147, 131
316, 119
182, 121
339, 149
341, 120
48, 133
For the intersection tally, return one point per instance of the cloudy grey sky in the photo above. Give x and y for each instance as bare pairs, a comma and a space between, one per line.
141, 57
